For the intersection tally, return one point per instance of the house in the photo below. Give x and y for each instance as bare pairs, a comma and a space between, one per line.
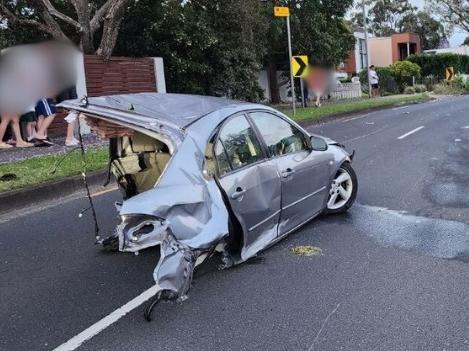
385, 51
357, 59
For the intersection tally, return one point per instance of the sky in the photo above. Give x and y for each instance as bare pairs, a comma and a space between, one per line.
458, 36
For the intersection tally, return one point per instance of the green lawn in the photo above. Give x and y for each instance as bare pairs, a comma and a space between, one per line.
39, 169
314, 113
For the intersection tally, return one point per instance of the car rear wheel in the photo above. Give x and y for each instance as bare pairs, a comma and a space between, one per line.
343, 190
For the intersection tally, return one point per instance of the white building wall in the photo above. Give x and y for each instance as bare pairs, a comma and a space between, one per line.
263, 80
358, 36
462, 50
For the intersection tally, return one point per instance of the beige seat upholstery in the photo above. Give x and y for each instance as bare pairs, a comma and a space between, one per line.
154, 158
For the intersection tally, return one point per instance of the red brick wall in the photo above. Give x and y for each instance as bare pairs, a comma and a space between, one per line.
350, 64
404, 38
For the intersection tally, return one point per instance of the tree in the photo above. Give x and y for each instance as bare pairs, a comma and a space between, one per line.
466, 41
76, 20
386, 16
319, 30
454, 12
212, 47
431, 32
218, 47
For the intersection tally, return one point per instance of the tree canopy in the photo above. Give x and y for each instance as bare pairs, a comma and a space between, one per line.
386, 17
77, 20
213, 47
431, 32
453, 12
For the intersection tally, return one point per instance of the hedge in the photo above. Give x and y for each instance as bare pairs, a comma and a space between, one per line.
393, 79
434, 64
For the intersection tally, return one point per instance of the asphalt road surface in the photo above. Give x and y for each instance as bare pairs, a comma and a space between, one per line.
393, 273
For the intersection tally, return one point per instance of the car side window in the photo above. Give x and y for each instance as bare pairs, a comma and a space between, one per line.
237, 145
280, 136
222, 159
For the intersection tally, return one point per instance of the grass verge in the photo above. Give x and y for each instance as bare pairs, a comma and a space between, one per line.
313, 113
40, 169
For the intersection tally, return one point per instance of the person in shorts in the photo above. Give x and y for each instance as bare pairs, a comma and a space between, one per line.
29, 119
45, 111
374, 81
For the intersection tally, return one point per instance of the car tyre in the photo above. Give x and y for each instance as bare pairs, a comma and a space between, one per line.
343, 190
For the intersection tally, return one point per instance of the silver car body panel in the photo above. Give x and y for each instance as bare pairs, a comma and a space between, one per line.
188, 211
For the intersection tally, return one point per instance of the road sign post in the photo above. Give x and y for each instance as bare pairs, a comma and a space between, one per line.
299, 66
290, 54
285, 12
449, 72
302, 87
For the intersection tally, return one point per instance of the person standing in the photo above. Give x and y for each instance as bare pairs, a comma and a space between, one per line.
374, 81
71, 118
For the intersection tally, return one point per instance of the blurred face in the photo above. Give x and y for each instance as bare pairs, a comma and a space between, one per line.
31, 72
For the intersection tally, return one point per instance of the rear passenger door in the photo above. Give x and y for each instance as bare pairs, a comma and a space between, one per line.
250, 182
304, 173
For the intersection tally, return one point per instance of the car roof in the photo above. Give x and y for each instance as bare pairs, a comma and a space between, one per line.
180, 110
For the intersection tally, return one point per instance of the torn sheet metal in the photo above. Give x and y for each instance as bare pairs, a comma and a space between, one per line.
185, 215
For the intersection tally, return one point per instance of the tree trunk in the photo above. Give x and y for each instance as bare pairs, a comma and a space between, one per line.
86, 42
273, 81
112, 22
82, 9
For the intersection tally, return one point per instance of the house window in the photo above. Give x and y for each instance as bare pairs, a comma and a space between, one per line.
362, 51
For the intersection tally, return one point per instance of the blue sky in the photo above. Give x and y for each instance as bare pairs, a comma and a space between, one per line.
458, 35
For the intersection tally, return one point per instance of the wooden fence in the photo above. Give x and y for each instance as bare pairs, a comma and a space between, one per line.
118, 75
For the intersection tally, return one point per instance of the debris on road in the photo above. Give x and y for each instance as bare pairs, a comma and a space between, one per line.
306, 250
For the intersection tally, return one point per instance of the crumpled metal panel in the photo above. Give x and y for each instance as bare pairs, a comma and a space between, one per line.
132, 234
192, 210
177, 109
191, 204
175, 267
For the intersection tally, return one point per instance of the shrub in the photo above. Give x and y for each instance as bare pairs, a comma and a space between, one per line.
409, 90
442, 89
433, 65
404, 72
458, 86
387, 83
420, 88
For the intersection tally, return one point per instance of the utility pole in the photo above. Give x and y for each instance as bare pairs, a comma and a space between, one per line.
365, 27
283, 11
290, 54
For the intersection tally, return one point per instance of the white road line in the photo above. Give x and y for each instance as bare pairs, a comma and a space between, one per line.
110, 319
99, 193
410, 133
366, 135
354, 118
400, 108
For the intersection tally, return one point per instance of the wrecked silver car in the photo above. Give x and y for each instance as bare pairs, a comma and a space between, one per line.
201, 175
